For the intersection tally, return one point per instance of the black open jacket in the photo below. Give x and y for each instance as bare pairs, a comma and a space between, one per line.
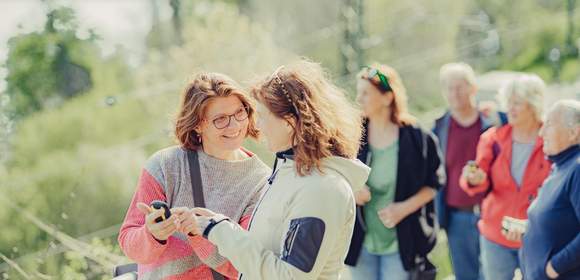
419, 165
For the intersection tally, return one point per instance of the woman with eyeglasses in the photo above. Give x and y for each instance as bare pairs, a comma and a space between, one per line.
394, 230
214, 118
303, 224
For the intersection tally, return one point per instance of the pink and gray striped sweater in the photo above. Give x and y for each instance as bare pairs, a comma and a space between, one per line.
230, 187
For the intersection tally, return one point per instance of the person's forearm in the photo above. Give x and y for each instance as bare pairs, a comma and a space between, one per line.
134, 238
568, 258
139, 245
418, 200
209, 255
249, 257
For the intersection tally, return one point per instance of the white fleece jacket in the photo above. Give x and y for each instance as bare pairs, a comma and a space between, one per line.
301, 228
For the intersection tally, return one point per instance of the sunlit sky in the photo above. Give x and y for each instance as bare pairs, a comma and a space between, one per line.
118, 22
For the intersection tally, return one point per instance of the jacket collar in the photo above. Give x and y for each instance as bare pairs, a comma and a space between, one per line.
565, 155
283, 155
486, 122
287, 154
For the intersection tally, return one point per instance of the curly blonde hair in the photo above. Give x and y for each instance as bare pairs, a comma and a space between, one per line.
325, 122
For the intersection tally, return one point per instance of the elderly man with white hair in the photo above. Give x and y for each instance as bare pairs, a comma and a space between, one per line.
459, 130
509, 169
551, 247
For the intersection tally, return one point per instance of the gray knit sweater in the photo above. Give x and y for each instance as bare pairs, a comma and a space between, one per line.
230, 187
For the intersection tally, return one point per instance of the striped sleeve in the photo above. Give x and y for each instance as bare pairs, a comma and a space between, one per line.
208, 253
134, 239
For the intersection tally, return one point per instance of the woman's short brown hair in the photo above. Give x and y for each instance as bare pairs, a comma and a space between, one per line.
204, 88
326, 123
399, 107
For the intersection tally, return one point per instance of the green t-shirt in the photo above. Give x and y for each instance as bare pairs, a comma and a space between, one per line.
382, 182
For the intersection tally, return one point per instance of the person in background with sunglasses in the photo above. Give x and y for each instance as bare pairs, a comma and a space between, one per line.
394, 230
213, 120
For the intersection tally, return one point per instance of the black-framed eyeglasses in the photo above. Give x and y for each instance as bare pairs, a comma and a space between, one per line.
383, 83
224, 121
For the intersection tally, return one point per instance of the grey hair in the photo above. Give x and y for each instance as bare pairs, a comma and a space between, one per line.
530, 87
457, 71
569, 110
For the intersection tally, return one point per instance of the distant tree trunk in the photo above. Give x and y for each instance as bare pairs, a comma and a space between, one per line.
350, 50
176, 19
244, 7
571, 48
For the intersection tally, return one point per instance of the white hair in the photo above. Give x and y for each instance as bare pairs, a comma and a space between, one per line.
529, 87
569, 110
457, 71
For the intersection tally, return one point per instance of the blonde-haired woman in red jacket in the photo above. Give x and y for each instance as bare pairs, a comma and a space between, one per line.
510, 166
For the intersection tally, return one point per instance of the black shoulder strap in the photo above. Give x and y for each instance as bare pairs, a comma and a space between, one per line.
195, 176
197, 189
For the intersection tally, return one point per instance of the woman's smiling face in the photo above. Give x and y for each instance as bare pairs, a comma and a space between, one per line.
220, 111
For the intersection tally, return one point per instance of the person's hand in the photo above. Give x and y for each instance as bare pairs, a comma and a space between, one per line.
551, 272
363, 196
393, 214
162, 230
513, 235
474, 176
204, 216
187, 219
204, 212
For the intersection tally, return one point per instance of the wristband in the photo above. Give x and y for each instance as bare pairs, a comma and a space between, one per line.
212, 224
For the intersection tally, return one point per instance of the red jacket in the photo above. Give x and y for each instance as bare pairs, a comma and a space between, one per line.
494, 152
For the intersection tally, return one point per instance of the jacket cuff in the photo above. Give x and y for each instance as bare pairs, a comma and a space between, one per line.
559, 264
206, 224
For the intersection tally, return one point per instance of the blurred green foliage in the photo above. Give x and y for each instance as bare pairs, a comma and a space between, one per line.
75, 161
46, 68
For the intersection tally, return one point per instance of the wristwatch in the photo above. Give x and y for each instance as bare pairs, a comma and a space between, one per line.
212, 223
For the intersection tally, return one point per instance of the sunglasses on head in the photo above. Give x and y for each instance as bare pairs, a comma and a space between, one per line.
383, 83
